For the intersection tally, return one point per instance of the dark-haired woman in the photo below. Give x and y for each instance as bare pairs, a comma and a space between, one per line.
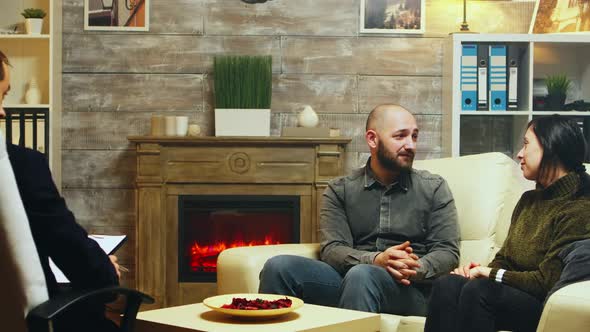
508, 294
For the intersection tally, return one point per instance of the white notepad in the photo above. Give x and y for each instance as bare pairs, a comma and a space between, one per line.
108, 243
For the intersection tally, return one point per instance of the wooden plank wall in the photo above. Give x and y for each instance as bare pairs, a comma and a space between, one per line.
114, 81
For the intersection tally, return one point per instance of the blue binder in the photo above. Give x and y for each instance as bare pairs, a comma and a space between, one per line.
469, 77
498, 78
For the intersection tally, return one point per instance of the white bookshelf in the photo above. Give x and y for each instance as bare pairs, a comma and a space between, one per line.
21, 36
37, 56
27, 105
467, 132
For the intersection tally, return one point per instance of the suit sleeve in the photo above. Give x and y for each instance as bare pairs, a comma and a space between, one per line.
56, 232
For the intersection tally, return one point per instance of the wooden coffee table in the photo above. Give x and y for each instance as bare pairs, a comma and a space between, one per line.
309, 318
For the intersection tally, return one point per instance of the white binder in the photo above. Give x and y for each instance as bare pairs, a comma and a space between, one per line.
514, 55
482, 76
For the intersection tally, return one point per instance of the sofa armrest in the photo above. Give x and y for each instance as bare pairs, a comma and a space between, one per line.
568, 309
238, 269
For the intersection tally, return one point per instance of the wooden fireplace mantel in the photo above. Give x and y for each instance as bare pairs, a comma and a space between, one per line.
238, 140
168, 167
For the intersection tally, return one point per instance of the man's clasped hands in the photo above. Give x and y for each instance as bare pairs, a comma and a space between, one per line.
401, 263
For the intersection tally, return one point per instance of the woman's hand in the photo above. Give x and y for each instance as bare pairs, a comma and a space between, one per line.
479, 272
472, 271
464, 270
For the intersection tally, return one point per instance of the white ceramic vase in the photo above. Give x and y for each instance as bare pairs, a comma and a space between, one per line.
33, 94
307, 118
33, 26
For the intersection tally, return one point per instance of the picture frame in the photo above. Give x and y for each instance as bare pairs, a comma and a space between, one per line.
393, 16
561, 16
117, 15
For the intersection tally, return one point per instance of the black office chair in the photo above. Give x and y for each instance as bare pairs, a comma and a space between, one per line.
40, 317
24, 301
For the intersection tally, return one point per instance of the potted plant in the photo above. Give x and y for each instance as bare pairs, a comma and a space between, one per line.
243, 88
33, 20
557, 88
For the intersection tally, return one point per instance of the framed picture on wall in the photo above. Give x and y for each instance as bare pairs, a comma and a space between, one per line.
117, 15
392, 16
560, 16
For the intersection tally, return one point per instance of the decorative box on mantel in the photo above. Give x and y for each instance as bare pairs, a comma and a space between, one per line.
199, 195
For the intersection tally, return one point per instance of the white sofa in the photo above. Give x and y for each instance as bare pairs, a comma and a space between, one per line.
486, 188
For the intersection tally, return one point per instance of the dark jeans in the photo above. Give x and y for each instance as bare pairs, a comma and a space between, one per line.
460, 304
364, 287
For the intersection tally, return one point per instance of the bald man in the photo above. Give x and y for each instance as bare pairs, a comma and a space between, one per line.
386, 230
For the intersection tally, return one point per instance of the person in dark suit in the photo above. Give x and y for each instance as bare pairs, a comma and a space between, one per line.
56, 233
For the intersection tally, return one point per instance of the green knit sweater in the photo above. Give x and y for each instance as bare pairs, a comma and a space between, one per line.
543, 223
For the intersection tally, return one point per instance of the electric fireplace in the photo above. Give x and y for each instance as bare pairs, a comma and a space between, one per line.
211, 224
199, 195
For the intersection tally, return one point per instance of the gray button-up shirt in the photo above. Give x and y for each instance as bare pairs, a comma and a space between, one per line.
360, 218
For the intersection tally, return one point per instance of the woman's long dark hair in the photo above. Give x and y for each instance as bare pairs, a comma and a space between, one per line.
563, 145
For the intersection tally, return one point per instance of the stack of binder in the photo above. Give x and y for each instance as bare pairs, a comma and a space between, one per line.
489, 76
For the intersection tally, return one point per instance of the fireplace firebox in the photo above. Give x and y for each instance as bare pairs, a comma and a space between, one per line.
209, 224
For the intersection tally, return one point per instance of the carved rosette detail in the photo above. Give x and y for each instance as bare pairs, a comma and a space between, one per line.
239, 162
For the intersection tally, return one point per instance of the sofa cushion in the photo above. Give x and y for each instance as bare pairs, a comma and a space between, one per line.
238, 268
486, 188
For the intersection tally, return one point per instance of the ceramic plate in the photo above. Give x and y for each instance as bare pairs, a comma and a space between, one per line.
216, 302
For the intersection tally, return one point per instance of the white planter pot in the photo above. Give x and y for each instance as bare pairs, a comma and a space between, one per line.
33, 26
242, 122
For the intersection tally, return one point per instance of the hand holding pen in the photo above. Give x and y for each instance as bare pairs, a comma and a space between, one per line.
118, 268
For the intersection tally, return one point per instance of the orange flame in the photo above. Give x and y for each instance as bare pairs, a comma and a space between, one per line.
204, 258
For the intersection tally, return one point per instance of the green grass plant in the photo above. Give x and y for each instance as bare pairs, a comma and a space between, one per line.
243, 81
557, 84
33, 13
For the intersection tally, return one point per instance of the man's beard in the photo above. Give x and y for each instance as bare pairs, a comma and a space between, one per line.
390, 162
